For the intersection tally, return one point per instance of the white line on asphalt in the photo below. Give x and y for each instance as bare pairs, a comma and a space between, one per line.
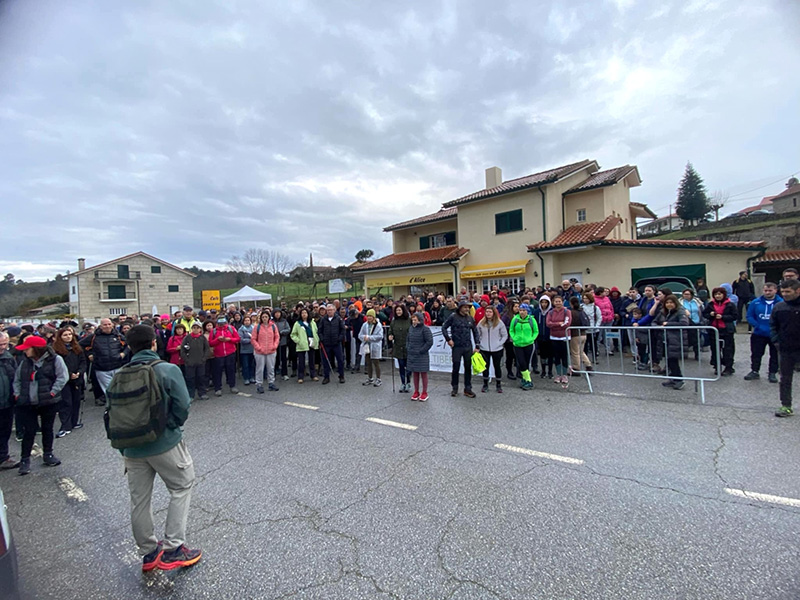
764, 497
566, 459
306, 406
392, 423
72, 490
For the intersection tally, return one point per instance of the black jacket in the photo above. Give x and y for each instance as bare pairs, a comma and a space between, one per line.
784, 325
331, 331
106, 349
744, 289
458, 327
7, 368
76, 363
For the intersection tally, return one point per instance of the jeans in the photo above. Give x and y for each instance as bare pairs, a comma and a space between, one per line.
69, 414
248, 366
228, 365
301, 363
789, 359
401, 367
330, 353
281, 363
196, 379
460, 354
30, 418
758, 345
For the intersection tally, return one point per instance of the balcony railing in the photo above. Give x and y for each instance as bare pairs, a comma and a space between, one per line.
128, 296
114, 274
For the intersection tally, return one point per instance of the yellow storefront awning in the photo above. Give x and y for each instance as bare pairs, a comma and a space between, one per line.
494, 270
398, 280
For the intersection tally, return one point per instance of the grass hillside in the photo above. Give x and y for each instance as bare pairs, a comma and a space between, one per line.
293, 291
691, 233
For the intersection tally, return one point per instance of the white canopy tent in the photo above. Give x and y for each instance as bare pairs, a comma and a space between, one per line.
247, 294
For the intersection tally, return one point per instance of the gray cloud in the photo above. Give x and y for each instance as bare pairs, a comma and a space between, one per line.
195, 130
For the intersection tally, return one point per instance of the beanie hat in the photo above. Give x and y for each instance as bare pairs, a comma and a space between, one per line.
13, 331
371, 312
525, 307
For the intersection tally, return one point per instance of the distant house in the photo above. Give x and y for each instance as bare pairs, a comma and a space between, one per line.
131, 284
319, 273
49, 309
765, 204
669, 223
789, 199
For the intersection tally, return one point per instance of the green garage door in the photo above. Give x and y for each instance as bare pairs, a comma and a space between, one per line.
691, 272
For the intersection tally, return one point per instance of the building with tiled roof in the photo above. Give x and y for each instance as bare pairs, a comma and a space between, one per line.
568, 221
670, 222
789, 199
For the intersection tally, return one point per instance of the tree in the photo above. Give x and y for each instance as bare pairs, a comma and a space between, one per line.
692, 204
717, 202
364, 255
9, 278
258, 261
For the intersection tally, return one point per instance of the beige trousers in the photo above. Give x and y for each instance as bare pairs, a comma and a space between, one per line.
576, 352
176, 470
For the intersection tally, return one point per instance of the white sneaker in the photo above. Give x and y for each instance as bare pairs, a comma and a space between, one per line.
377, 383
368, 382
286, 378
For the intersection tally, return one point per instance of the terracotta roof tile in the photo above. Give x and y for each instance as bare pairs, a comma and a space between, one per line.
579, 235
417, 257
513, 185
795, 189
603, 178
443, 214
779, 256
699, 244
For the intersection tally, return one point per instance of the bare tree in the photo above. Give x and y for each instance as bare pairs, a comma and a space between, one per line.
259, 261
717, 201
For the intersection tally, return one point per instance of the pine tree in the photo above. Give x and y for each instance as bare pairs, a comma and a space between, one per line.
692, 204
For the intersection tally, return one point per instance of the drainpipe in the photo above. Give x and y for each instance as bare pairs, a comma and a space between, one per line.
751, 259
455, 277
544, 215
541, 267
563, 213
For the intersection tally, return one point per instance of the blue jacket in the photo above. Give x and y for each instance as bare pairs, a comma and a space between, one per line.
759, 313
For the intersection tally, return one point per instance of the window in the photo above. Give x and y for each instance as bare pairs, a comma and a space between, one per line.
508, 221
73, 289
116, 311
581, 215
123, 272
172, 288
437, 240
515, 285
472, 286
116, 292
155, 269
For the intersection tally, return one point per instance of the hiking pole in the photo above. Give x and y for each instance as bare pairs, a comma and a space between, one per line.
393, 371
325, 354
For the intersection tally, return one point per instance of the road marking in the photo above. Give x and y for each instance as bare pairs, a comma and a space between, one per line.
245, 395
392, 424
566, 459
764, 497
306, 406
72, 490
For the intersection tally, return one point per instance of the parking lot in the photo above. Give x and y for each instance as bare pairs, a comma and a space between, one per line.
634, 491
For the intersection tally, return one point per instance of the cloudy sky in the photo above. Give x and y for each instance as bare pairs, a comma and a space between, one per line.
194, 130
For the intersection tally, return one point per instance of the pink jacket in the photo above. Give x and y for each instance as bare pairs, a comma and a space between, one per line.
266, 338
222, 349
174, 349
555, 321
606, 309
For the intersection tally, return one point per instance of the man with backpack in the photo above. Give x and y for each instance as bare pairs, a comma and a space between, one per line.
147, 404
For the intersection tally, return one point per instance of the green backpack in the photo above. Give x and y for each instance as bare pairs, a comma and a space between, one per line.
136, 413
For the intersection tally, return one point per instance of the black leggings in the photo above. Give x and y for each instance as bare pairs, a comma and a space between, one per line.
561, 355
30, 416
510, 358
523, 355
497, 359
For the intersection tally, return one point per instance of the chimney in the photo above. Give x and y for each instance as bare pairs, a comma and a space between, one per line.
494, 177
81, 264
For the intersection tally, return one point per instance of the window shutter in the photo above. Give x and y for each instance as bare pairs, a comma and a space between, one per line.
424, 243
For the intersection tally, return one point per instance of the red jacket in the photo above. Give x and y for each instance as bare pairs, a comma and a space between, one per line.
221, 348
174, 349
266, 338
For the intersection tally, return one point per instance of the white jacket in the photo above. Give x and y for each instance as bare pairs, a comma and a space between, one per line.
372, 334
492, 339
592, 312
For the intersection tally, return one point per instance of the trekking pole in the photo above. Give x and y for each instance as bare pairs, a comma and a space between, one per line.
325, 355
393, 370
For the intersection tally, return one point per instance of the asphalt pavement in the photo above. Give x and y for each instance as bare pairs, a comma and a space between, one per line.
634, 491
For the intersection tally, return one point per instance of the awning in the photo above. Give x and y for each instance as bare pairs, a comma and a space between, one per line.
377, 282
494, 270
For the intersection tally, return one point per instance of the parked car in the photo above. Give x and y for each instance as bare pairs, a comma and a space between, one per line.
675, 283
9, 569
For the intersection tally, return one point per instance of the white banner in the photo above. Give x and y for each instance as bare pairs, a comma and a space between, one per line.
441, 356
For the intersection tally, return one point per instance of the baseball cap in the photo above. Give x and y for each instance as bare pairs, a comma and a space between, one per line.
187, 307
32, 341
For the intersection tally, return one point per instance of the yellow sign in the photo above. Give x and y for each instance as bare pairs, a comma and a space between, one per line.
494, 270
410, 280
211, 299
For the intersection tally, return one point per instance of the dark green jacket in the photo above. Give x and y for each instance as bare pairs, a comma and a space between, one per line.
399, 329
173, 388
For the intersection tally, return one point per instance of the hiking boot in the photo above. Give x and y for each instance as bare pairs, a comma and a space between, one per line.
727, 372
25, 466
218, 393
485, 388
679, 385
499, 388
259, 389
63, 433
783, 411
234, 390
377, 383
326, 381
50, 460
469, 393
527, 385
150, 561
341, 378
180, 557
454, 392
773, 378
9, 463
752, 375
272, 387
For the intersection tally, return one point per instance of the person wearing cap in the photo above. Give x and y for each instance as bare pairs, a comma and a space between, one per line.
38, 381
7, 370
461, 334
187, 319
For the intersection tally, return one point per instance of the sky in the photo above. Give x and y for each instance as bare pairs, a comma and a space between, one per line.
194, 130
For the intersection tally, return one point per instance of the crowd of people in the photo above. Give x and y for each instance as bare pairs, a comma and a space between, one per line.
550, 331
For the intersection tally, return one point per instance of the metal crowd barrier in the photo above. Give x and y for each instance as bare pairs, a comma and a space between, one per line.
655, 339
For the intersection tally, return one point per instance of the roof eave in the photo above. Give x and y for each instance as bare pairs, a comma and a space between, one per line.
411, 266
654, 244
400, 226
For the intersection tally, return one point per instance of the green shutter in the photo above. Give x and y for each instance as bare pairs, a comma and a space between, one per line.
515, 220
450, 238
424, 242
116, 292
